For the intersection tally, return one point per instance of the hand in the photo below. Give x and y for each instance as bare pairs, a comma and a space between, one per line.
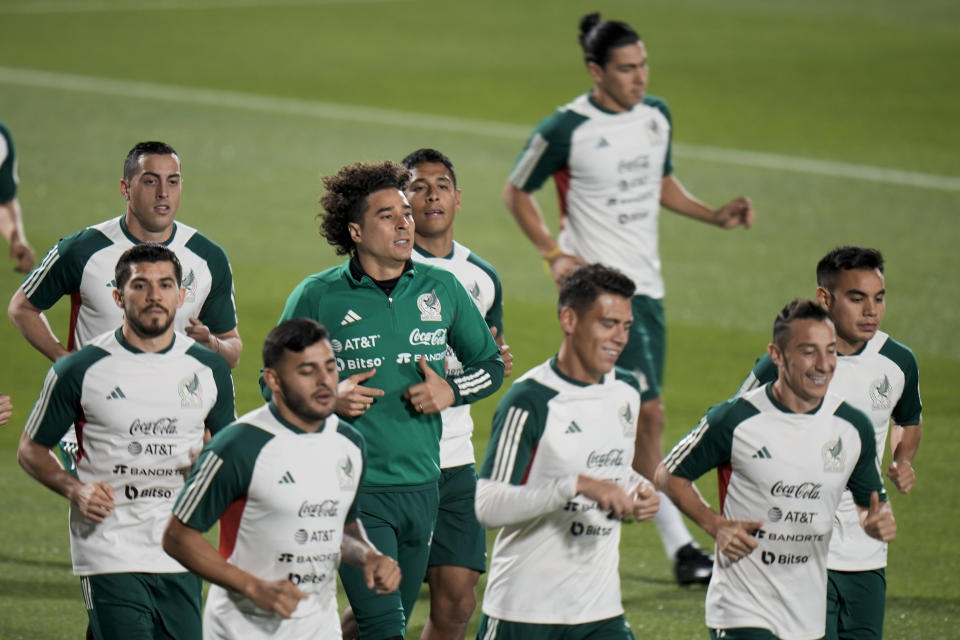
735, 538
6, 408
276, 596
608, 495
381, 573
879, 522
561, 265
433, 395
95, 500
505, 354
901, 473
353, 399
646, 501
201, 333
735, 212
22, 254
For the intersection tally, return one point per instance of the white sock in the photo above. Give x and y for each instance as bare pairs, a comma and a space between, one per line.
673, 531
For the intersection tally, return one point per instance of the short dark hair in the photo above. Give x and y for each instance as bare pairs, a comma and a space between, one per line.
152, 147
346, 198
294, 335
145, 252
797, 309
582, 286
598, 39
844, 259
429, 155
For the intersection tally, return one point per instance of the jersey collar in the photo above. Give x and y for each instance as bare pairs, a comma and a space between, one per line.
135, 240
118, 334
782, 407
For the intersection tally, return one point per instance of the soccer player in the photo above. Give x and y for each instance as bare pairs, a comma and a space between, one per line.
879, 376
609, 154
11, 218
557, 476
391, 320
144, 396
458, 553
81, 266
786, 452
285, 473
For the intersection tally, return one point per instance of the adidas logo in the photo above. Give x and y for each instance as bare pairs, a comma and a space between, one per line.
116, 394
762, 454
574, 428
287, 479
351, 317
603, 143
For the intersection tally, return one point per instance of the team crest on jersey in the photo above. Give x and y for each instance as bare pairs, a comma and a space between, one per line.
627, 421
834, 455
880, 393
191, 395
475, 292
189, 283
655, 132
347, 473
429, 305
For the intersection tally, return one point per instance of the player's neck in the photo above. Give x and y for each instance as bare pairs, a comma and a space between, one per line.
783, 394
147, 344
605, 101
437, 246
380, 268
145, 235
572, 367
848, 348
308, 426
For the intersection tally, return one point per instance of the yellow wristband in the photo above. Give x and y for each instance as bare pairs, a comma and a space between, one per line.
553, 253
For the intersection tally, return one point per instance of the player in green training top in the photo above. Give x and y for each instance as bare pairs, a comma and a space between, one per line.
390, 322
11, 218
609, 154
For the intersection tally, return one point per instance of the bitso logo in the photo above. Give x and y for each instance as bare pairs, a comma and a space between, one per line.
880, 393
191, 395
833, 455
346, 473
429, 305
189, 283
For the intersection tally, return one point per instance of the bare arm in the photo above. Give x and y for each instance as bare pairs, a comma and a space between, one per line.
675, 197
227, 344
95, 500
901, 468
647, 451
32, 324
11, 226
189, 547
381, 572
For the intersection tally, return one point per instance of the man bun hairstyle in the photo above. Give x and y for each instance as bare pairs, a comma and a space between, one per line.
797, 309
582, 286
429, 155
846, 258
599, 38
346, 194
150, 148
294, 335
145, 252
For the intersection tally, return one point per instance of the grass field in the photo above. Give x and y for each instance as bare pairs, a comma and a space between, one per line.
838, 118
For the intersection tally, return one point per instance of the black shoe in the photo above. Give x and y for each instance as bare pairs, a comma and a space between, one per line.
692, 566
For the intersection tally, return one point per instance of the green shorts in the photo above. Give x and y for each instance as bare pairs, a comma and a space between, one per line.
615, 628
143, 606
855, 604
458, 539
399, 522
646, 350
742, 633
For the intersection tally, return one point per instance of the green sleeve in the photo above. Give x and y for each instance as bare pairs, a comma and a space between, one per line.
221, 475
626, 376
345, 429
494, 316
59, 404
908, 409
223, 411
518, 425
219, 311
303, 302
8, 166
661, 105
60, 271
763, 372
547, 150
865, 478
709, 444
471, 340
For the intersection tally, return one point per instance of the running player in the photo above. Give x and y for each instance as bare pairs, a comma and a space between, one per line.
11, 218
879, 376
609, 152
285, 473
557, 476
786, 452
143, 396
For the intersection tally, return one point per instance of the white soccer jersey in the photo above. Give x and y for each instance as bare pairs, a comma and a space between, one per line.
607, 168
561, 566
788, 471
284, 496
142, 416
481, 281
882, 380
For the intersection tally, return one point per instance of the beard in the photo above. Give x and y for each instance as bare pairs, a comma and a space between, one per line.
156, 327
300, 406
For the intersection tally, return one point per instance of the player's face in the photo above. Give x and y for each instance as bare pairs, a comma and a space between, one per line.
150, 298
598, 335
620, 84
808, 359
856, 305
153, 193
306, 382
385, 234
433, 197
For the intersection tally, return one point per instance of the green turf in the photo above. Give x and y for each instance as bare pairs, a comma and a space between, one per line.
831, 80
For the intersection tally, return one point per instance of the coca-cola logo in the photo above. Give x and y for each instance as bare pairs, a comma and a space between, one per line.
428, 338
800, 491
325, 509
161, 427
599, 459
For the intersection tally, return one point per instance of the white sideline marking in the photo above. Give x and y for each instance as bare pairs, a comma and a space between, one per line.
92, 6
453, 124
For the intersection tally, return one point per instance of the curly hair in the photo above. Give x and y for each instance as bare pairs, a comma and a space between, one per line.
346, 198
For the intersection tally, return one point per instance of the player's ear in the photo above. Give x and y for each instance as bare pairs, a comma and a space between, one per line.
568, 320
456, 207
125, 188
595, 71
118, 297
271, 379
356, 231
181, 297
825, 297
775, 354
